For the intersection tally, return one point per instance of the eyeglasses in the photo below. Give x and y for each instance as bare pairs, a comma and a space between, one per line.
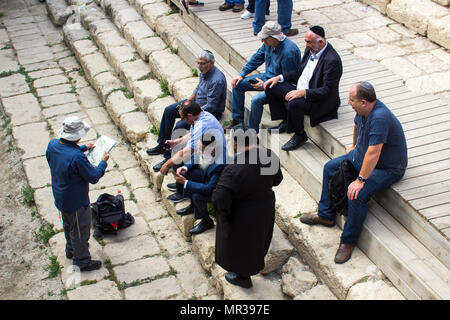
202, 63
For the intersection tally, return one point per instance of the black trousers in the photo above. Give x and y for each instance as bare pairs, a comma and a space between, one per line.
77, 230
199, 201
292, 112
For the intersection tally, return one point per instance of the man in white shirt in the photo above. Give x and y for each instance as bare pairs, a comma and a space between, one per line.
311, 89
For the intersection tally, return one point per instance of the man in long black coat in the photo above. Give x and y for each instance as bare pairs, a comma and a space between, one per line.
245, 208
311, 89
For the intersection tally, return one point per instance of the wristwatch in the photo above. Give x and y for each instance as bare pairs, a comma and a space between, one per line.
361, 179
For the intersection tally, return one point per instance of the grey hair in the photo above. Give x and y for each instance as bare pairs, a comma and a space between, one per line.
207, 55
365, 90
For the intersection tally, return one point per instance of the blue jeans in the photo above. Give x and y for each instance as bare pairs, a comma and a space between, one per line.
235, 2
284, 15
357, 208
257, 104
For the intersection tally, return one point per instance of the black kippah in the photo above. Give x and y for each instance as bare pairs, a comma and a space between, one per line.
318, 30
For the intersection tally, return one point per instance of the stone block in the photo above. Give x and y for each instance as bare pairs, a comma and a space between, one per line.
148, 204
182, 89
135, 126
34, 54
84, 47
415, 14
89, 98
279, 252
168, 236
145, 92
418, 44
138, 228
131, 250
123, 157
32, 138
44, 73
125, 17
155, 109
8, 61
374, 290
118, 55
140, 4
58, 11
433, 83
385, 34
192, 277
136, 178
146, 46
161, 289
58, 99
152, 12
169, 27
402, 67
22, 109
61, 88
94, 64
105, 83
141, 269
46, 207
439, 31
100, 26
292, 200
137, 30
319, 292
98, 115
111, 178
133, 71
378, 4
359, 39
427, 62
110, 39
203, 245
13, 85
168, 67
50, 81
61, 110
103, 290
317, 246
379, 52
38, 172
296, 278
77, 79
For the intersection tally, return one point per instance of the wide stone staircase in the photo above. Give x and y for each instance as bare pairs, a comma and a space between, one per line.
140, 55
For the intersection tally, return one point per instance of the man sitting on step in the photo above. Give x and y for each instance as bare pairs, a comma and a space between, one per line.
199, 180
311, 88
378, 153
210, 94
280, 55
184, 148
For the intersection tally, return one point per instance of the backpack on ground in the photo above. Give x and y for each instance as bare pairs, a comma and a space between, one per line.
338, 186
109, 216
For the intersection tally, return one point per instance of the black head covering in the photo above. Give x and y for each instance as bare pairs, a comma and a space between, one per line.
318, 30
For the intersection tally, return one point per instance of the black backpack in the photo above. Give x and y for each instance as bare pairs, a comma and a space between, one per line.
108, 214
338, 186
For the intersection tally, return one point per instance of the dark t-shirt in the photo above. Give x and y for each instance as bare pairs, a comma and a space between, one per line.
381, 126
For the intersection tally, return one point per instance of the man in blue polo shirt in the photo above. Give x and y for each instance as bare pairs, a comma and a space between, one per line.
378, 153
71, 174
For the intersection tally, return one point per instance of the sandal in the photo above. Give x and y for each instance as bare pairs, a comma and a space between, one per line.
196, 3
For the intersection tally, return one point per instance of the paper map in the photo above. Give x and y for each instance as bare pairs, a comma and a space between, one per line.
103, 144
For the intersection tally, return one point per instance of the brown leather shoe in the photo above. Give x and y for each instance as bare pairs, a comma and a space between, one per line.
231, 125
238, 8
225, 6
343, 253
292, 32
313, 219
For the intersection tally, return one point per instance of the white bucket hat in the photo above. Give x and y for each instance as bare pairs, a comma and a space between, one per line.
73, 129
271, 29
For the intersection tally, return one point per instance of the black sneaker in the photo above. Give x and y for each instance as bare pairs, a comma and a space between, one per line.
172, 187
176, 197
92, 265
69, 255
159, 149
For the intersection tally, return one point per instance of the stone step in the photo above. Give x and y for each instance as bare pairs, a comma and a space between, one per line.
189, 59
306, 164
280, 249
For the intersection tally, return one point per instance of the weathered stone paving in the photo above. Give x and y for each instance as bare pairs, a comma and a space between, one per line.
100, 73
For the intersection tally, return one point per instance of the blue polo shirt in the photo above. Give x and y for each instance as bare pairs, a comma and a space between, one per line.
71, 174
382, 126
211, 91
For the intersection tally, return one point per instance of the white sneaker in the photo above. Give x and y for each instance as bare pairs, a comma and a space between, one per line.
247, 15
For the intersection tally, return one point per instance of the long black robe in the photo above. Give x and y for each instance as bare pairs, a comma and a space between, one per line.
245, 210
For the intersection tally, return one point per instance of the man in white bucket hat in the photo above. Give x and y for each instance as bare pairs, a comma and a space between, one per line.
71, 174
